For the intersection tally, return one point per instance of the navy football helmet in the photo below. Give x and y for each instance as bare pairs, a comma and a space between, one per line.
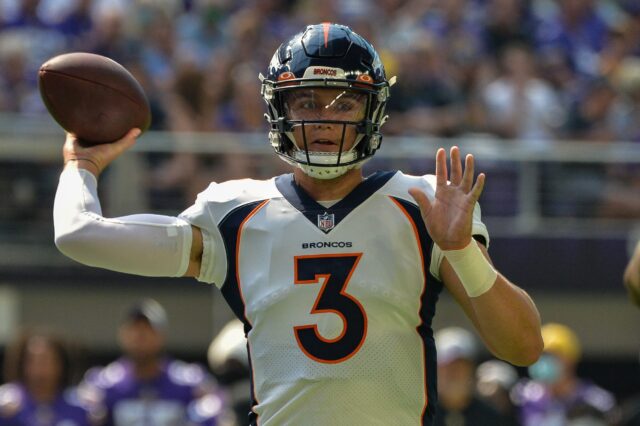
333, 59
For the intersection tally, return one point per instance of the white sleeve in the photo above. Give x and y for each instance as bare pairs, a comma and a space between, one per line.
478, 229
145, 244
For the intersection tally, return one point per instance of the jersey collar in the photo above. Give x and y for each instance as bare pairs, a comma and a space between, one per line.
309, 207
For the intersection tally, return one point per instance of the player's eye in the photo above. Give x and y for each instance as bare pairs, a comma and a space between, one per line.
345, 106
301, 104
307, 105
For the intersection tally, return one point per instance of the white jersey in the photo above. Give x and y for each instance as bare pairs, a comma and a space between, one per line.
337, 302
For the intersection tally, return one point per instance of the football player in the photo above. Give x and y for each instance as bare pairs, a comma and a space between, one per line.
335, 276
146, 385
39, 368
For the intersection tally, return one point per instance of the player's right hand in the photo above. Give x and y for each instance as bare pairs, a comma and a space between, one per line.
96, 158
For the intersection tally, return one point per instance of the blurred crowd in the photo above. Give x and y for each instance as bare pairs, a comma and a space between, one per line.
145, 385
46, 386
550, 393
529, 71
532, 71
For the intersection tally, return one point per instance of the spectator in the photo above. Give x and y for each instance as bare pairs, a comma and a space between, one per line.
575, 26
194, 103
40, 40
494, 381
557, 69
508, 22
519, 104
619, 197
599, 113
39, 368
26, 14
147, 387
159, 50
18, 93
632, 8
628, 412
111, 36
457, 25
77, 22
428, 101
229, 362
458, 404
626, 80
555, 395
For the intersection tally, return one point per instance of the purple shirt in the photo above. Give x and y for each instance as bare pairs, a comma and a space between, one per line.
180, 394
539, 407
18, 408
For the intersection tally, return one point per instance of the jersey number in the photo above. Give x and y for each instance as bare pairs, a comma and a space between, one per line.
335, 270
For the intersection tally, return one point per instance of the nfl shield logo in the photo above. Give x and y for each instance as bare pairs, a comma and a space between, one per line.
326, 222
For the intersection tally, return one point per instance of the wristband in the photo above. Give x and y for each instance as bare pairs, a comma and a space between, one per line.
472, 267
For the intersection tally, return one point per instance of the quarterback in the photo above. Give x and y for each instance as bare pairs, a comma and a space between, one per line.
334, 275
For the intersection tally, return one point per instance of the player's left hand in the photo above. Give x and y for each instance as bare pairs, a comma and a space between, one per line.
449, 216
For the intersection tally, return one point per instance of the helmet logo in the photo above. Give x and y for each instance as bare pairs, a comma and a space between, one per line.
326, 222
287, 75
324, 72
363, 78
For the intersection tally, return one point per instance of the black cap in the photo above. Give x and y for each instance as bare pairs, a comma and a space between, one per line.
149, 310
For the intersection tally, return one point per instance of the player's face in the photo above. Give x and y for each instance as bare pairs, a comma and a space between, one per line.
43, 366
140, 341
319, 104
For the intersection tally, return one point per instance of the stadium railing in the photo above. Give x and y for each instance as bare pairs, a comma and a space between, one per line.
558, 190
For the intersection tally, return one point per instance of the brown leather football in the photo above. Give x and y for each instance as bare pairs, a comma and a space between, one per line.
93, 97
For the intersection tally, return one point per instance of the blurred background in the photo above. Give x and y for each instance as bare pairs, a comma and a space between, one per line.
545, 93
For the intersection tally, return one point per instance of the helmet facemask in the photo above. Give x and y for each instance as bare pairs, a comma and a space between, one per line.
326, 127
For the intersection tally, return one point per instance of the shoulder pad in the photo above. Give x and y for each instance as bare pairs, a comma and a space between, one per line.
240, 191
218, 200
398, 186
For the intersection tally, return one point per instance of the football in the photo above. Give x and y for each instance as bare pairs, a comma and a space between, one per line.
93, 97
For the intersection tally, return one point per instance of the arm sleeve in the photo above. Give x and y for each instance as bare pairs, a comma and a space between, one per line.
144, 244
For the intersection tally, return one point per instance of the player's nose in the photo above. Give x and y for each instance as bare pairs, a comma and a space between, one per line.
323, 126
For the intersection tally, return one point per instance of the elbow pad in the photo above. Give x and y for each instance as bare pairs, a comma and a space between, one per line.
144, 244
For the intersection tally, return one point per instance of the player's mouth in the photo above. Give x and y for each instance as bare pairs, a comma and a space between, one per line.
323, 145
